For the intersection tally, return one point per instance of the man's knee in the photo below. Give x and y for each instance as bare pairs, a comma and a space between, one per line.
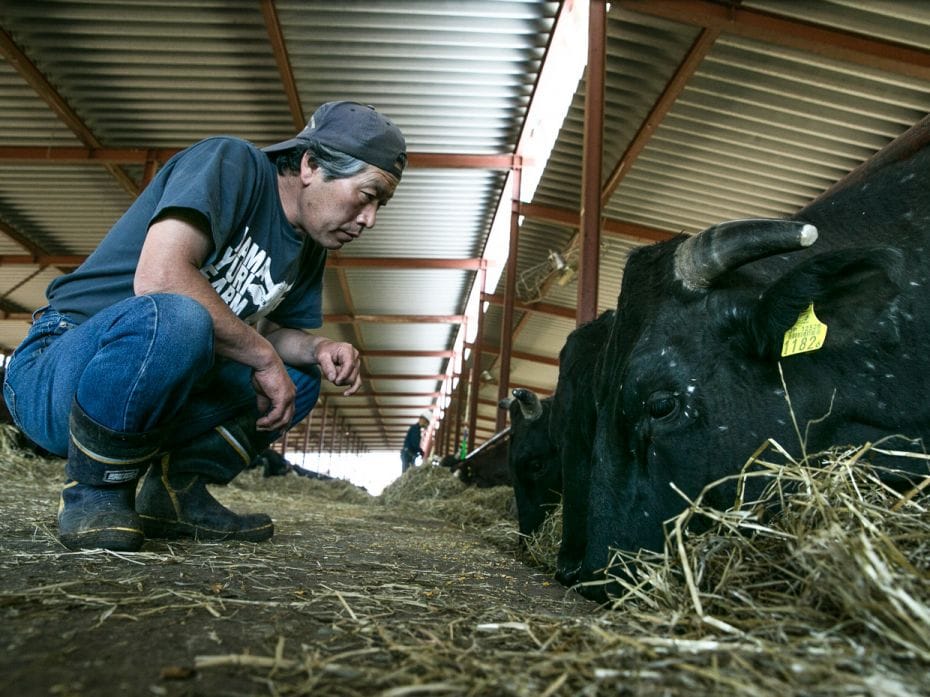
179, 319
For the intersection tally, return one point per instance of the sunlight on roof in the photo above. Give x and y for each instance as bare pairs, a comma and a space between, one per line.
555, 90
558, 81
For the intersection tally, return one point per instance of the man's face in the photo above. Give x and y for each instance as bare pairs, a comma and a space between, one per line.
335, 212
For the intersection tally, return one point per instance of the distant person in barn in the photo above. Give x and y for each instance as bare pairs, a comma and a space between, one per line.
178, 350
411, 449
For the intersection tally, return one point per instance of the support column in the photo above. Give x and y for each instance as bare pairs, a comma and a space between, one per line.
306, 444
476, 364
323, 430
590, 223
503, 385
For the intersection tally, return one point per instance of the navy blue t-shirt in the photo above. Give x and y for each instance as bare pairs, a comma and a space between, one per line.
259, 266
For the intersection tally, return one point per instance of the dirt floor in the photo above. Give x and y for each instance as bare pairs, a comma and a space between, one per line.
424, 591
345, 599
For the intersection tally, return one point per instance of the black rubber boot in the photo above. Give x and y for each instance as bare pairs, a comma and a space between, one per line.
97, 508
174, 502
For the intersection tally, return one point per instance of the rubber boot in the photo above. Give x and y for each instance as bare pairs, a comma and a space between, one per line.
97, 509
174, 502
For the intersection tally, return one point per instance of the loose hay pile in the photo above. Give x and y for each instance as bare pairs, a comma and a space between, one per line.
397, 596
295, 485
488, 513
542, 546
418, 484
831, 595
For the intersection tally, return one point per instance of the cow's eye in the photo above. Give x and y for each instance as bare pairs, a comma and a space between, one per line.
536, 467
662, 405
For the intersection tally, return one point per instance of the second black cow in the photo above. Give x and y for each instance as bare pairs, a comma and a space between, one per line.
551, 441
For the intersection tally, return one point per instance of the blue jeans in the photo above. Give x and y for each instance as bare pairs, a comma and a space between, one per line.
143, 364
407, 459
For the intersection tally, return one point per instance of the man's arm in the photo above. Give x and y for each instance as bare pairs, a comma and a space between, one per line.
339, 361
170, 262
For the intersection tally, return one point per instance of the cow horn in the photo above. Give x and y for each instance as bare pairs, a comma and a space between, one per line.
703, 258
529, 403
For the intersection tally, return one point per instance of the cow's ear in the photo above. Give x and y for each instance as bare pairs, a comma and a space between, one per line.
849, 292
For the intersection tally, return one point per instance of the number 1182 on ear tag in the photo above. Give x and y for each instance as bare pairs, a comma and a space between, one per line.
807, 334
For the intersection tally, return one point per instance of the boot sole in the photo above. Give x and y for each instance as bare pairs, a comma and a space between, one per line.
176, 530
113, 539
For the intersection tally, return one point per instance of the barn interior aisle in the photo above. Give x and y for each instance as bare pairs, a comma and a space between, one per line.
423, 590
549, 142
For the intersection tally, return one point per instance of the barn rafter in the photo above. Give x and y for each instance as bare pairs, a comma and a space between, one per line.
711, 110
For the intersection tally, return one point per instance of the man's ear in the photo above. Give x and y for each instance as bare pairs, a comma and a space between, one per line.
309, 169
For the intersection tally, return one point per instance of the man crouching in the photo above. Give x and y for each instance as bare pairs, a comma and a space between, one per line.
178, 350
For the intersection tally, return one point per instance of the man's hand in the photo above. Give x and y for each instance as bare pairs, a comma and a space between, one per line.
339, 363
275, 392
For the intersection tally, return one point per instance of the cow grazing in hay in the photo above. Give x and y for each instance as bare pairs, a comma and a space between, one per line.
486, 465
272, 463
571, 428
832, 304
533, 459
551, 441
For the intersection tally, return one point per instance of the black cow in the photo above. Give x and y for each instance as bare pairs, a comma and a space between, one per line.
450, 461
486, 465
310, 474
693, 377
571, 425
533, 459
272, 463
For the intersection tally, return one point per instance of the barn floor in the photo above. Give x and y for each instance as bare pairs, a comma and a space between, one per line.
348, 598
395, 597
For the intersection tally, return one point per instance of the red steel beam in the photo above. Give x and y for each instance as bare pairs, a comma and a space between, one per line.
361, 410
570, 218
475, 377
279, 49
542, 308
39, 259
38, 82
394, 319
93, 153
367, 394
510, 292
660, 109
347, 262
403, 353
526, 356
592, 159
830, 42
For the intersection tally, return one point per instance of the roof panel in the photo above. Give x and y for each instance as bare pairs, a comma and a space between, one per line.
760, 128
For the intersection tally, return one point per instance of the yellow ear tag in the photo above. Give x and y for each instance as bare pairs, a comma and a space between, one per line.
807, 334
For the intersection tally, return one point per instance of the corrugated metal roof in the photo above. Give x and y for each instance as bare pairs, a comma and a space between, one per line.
764, 123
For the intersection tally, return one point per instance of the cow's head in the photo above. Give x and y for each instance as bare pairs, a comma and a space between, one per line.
571, 428
693, 375
533, 459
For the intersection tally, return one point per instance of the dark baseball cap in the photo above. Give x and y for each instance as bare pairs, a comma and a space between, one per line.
354, 129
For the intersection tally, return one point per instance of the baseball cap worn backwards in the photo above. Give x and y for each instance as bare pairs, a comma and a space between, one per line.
354, 129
